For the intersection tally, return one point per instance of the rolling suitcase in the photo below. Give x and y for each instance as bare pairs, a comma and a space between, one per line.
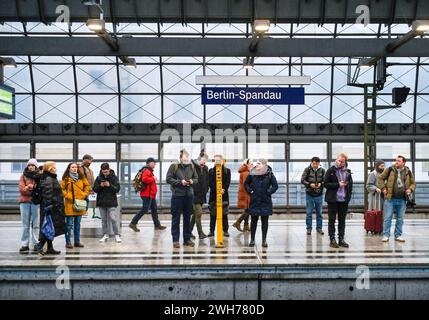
374, 218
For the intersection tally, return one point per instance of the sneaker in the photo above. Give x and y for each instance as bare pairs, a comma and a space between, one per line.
189, 244
343, 244
226, 234
35, 249
308, 232
264, 244
24, 249
237, 226
79, 245
69, 246
176, 245
385, 239
104, 239
118, 238
400, 239
134, 227
160, 227
334, 244
252, 243
320, 231
246, 228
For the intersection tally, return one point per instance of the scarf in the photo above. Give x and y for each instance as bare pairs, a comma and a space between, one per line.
260, 172
399, 182
74, 176
29, 174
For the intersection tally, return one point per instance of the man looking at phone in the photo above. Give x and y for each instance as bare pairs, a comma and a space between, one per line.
339, 186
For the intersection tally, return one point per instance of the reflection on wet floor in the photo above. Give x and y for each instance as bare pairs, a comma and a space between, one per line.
288, 246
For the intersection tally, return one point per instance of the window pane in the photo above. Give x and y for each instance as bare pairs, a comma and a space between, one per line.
141, 108
96, 78
53, 78
99, 151
98, 109
392, 150
54, 151
170, 151
422, 150
183, 109
139, 151
55, 108
353, 150
266, 150
23, 109
143, 79
307, 150
229, 151
181, 78
225, 113
315, 110
14, 151
268, 113
347, 109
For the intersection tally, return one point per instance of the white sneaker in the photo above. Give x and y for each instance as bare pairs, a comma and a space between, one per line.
118, 239
105, 238
385, 239
400, 239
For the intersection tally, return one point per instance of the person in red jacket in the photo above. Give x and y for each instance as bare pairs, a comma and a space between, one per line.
148, 196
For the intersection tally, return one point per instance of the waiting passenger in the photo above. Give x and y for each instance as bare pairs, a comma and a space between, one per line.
312, 178
181, 176
339, 187
226, 181
88, 173
371, 187
107, 186
53, 201
148, 193
75, 190
29, 210
200, 193
243, 197
397, 183
261, 184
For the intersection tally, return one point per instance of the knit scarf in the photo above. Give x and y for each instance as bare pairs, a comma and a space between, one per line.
259, 171
399, 182
74, 176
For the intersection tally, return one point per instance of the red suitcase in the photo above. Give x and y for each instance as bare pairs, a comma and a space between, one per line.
374, 219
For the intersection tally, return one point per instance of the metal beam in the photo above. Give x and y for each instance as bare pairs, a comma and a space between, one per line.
219, 47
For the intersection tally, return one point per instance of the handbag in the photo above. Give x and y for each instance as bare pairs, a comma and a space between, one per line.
78, 205
48, 229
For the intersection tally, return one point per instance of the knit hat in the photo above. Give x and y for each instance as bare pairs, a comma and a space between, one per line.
149, 160
32, 162
203, 154
263, 161
87, 157
378, 163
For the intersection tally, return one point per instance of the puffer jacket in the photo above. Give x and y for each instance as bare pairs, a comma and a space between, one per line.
310, 176
81, 192
388, 177
148, 178
243, 197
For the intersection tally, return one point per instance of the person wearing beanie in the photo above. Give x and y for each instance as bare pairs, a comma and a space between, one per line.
87, 171
243, 197
260, 184
200, 193
29, 210
371, 187
148, 195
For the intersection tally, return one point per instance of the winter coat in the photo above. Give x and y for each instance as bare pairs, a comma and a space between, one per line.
81, 192
148, 178
374, 203
387, 179
89, 175
332, 184
107, 196
243, 197
178, 172
310, 176
27, 178
226, 181
52, 197
260, 188
202, 187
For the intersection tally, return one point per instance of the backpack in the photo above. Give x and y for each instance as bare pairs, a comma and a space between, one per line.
138, 184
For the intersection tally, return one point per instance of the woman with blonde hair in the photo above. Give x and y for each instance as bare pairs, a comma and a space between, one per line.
76, 189
243, 197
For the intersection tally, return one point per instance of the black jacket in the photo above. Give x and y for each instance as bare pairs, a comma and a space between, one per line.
332, 184
260, 188
310, 176
52, 197
202, 187
226, 181
107, 196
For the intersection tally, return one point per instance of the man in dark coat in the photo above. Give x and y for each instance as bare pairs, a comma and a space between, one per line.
200, 193
339, 187
107, 186
226, 181
53, 201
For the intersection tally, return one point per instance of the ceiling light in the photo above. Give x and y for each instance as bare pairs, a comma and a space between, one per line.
96, 24
261, 26
248, 62
129, 62
7, 62
421, 26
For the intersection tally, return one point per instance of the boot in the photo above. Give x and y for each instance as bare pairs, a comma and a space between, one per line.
264, 243
334, 244
246, 227
237, 226
252, 243
342, 243
134, 227
53, 251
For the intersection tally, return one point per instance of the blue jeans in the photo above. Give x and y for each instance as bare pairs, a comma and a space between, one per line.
398, 205
30, 223
148, 203
315, 203
178, 205
73, 221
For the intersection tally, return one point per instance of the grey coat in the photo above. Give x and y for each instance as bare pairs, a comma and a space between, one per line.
373, 201
175, 177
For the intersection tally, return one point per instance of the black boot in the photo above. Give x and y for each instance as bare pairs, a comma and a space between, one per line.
342, 243
252, 243
51, 249
264, 243
334, 243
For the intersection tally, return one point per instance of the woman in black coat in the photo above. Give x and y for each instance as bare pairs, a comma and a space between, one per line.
260, 184
52, 199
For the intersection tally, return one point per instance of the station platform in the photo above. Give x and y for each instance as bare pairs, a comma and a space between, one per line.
294, 266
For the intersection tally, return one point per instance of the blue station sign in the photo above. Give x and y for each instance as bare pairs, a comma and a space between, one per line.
225, 95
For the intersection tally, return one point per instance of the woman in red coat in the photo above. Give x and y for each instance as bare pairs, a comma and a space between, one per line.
243, 197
